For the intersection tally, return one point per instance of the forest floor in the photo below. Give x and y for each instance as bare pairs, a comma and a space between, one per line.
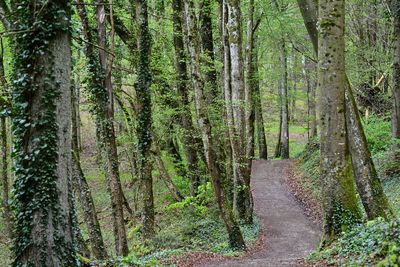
288, 234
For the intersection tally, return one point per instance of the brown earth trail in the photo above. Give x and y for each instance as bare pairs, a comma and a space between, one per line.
287, 234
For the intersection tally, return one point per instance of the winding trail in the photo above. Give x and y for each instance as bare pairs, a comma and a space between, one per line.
287, 234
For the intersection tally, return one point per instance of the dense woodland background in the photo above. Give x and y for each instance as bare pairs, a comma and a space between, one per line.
164, 104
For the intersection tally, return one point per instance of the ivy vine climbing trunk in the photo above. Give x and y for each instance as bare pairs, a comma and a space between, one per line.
368, 184
144, 123
42, 135
234, 101
235, 236
100, 91
339, 194
182, 88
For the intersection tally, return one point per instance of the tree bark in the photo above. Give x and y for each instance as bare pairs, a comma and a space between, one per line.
339, 194
143, 130
182, 86
284, 101
4, 150
396, 71
42, 137
207, 43
235, 236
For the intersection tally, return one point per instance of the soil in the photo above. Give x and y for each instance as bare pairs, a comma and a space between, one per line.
288, 234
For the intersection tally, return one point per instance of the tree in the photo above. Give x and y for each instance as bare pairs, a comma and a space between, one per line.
82, 187
100, 93
340, 202
396, 71
182, 88
235, 236
234, 101
368, 184
143, 129
42, 135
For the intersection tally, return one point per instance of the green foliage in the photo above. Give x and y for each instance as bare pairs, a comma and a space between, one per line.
378, 133
375, 242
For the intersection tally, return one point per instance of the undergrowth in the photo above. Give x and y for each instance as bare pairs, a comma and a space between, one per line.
374, 242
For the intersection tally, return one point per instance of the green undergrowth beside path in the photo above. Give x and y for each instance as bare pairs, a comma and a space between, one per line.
372, 243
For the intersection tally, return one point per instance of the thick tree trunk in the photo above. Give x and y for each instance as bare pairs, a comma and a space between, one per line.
100, 90
368, 183
81, 186
242, 200
339, 194
145, 118
284, 101
396, 71
235, 236
182, 86
42, 137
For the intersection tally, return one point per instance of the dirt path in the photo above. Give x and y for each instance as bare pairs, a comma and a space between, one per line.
288, 235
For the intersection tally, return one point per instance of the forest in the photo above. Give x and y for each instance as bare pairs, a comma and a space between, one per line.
199, 133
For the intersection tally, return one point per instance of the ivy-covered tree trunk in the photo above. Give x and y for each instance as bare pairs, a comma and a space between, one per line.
99, 91
182, 86
235, 236
339, 194
234, 98
144, 125
396, 71
42, 135
96, 242
367, 180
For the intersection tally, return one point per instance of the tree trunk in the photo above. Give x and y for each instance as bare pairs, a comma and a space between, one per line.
207, 43
182, 86
339, 195
145, 118
368, 183
81, 186
251, 83
242, 200
284, 101
100, 90
4, 150
42, 137
235, 236
396, 71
